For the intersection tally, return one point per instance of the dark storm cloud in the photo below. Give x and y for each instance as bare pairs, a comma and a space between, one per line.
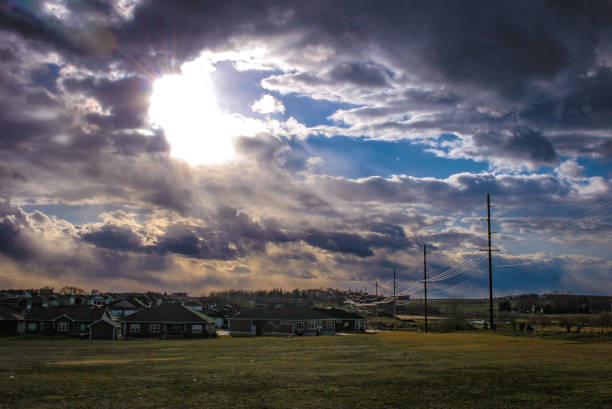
233, 234
497, 46
29, 24
131, 143
339, 242
584, 144
13, 243
522, 144
359, 74
461, 192
126, 98
264, 148
114, 237
585, 104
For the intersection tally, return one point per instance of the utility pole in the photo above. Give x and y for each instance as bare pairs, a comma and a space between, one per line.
490, 263
425, 282
394, 323
490, 250
376, 305
365, 291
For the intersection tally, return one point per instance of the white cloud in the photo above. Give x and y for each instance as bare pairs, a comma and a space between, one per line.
569, 169
267, 104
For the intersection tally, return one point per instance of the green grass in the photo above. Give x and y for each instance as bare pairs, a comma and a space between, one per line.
391, 370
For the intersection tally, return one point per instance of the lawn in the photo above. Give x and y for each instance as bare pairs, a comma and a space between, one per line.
407, 369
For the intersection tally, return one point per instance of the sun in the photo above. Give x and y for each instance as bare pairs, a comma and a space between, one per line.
185, 106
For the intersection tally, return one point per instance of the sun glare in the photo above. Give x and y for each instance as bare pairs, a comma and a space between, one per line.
185, 106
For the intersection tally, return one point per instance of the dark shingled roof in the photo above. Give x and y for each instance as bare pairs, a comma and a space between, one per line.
6, 314
76, 312
123, 304
175, 313
339, 314
283, 313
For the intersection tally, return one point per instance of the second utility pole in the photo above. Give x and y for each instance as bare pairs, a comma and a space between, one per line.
376, 305
425, 282
394, 324
492, 326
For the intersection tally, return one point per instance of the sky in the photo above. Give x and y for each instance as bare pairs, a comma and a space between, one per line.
205, 145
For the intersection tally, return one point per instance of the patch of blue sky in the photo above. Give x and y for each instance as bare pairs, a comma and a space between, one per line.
359, 157
237, 90
46, 76
596, 167
312, 112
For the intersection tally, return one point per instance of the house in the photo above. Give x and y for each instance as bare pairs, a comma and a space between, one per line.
194, 305
167, 320
62, 320
282, 320
218, 316
97, 299
127, 306
11, 322
105, 328
345, 321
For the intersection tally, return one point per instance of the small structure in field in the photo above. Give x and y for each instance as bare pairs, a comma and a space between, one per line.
167, 321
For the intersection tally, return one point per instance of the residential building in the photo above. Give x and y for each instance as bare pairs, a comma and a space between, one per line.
165, 321
62, 320
292, 320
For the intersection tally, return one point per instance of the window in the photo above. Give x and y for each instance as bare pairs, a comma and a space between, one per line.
83, 327
154, 328
314, 324
62, 326
196, 328
299, 325
329, 324
134, 327
285, 323
32, 326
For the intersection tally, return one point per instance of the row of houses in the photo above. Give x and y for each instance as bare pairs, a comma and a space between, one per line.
162, 321
175, 320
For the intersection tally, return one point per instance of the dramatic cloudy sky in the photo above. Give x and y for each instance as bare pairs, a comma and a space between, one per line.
173, 145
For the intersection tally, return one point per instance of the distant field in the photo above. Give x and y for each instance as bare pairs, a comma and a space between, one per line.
408, 369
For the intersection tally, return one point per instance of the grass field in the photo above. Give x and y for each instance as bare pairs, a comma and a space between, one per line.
464, 370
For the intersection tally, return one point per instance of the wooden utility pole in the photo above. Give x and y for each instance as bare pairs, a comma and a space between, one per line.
490, 250
425, 283
376, 305
394, 323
